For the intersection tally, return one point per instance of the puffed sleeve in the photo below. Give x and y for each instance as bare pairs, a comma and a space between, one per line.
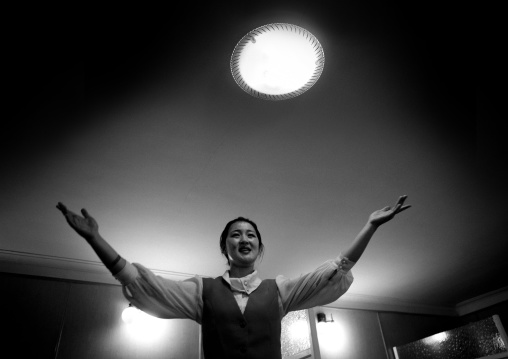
162, 297
322, 286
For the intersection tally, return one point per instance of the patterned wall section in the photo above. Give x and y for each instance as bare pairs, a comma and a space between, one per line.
482, 339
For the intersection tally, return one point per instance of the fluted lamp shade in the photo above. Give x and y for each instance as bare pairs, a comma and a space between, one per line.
277, 61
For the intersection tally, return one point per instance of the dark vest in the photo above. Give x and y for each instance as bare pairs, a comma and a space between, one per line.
229, 334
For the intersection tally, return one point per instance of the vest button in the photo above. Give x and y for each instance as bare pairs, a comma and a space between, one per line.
243, 323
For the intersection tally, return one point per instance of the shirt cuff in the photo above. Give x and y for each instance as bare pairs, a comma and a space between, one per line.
344, 265
128, 274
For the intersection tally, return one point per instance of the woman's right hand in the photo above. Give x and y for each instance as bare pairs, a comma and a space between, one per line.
85, 226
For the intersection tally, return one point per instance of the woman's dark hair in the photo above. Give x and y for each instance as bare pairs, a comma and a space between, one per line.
225, 233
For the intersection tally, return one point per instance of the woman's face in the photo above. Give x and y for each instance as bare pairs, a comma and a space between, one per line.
242, 244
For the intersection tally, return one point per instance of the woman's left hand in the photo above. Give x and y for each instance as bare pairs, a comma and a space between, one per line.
384, 215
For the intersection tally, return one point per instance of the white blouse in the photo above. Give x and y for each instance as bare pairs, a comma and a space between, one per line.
165, 298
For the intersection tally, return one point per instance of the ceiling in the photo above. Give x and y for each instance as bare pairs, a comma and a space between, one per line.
134, 115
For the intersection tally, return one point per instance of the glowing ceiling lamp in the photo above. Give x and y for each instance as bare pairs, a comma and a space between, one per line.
277, 61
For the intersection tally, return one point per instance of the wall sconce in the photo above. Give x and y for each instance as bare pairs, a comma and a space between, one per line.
129, 314
332, 337
277, 61
321, 318
142, 326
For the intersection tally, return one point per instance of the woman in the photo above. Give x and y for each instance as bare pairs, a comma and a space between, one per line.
230, 327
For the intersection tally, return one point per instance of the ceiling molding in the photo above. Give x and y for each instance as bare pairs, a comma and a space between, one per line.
382, 304
54, 267
17, 262
483, 301
65, 268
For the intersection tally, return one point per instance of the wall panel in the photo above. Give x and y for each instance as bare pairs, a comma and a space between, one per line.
83, 320
500, 309
94, 329
400, 328
357, 335
33, 313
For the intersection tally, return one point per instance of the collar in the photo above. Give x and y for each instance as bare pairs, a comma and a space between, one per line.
247, 284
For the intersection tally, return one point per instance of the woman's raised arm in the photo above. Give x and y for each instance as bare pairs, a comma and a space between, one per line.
356, 249
86, 226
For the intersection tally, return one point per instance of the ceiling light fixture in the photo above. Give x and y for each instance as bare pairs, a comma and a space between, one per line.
277, 61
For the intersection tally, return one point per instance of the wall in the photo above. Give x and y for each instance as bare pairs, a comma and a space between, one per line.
63, 319
401, 328
500, 309
370, 334
49, 318
354, 334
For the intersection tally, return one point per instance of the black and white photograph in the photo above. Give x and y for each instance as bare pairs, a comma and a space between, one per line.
253, 180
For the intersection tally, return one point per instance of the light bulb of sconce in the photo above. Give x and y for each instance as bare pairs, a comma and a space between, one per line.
129, 314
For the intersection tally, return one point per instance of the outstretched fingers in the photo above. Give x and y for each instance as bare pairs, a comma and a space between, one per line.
401, 200
61, 207
399, 207
85, 213
65, 211
403, 208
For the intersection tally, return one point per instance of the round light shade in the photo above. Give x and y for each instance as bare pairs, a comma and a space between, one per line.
277, 61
